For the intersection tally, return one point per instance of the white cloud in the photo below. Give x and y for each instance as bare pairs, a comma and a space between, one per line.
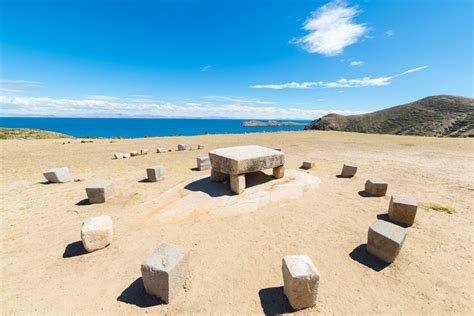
331, 29
206, 68
18, 85
30, 106
388, 33
356, 63
236, 99
341, 83
102, 97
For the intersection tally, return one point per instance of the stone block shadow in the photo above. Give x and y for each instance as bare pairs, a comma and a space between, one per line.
365, 194
274, 301
135, 294
385, 217
74, 249
361, 255
83, 202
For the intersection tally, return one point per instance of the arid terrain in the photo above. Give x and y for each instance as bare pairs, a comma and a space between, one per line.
236, 259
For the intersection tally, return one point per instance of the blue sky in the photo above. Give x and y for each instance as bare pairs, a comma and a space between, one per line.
283, 59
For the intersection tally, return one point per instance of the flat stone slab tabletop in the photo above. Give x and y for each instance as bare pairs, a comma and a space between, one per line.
236, 161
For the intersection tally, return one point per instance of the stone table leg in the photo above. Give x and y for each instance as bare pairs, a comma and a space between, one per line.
279, 172
217, 176
237, 183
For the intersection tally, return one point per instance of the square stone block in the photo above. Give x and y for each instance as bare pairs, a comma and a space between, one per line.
161, 150
348, 171
376, 187
165, 271
308, 165
127, 155
58, 175
155, 173
99, 192
119, 156
385, 240
134, 153
182, 147
97, 232
237, 183
402, 209
203, 163
301, 281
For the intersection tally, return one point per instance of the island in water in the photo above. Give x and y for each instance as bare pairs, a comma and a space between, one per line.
269, 123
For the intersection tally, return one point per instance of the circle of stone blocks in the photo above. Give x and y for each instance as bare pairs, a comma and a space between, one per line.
376, 187
99, 192
402, 209
161, 150
348, 171
203, 163
58, 175
155, 173
385, 240
301, 281
134, 153
308, 165
165, 271
182, 147
97, 232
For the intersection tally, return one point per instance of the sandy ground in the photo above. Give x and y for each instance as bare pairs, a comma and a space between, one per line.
236, 260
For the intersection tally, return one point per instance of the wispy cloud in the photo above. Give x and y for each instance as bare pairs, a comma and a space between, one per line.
356, 63
388, 33
341, 83
21, 106
18, 85
331, 29
206, 68
102, 97
236, 99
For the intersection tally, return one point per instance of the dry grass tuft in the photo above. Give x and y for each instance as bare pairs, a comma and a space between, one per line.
438, 207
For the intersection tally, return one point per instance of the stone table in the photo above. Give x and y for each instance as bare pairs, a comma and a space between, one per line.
235, 162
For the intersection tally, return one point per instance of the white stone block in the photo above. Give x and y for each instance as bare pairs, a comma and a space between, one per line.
165, 271
58, 175
301, 281
155, 173
97, 232
99, 192
203, 163
161, 150
237, 183
119, 156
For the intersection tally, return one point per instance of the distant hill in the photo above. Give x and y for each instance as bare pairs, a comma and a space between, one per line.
29, 133
442, 116
269, 123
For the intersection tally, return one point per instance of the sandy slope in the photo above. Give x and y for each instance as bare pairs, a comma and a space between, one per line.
236, 260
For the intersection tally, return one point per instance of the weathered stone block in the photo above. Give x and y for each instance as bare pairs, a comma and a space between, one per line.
134, 153
237, 183
376, 187
182, 147
161, 150
165, 271
126, 155
308, 165
97, 232
301, 281
348, 171
244, 159
203, 163
99, 192
402, 209
155, 173
385, 240
58, 175
119, 155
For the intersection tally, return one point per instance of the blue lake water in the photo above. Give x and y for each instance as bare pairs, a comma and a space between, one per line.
138, 127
